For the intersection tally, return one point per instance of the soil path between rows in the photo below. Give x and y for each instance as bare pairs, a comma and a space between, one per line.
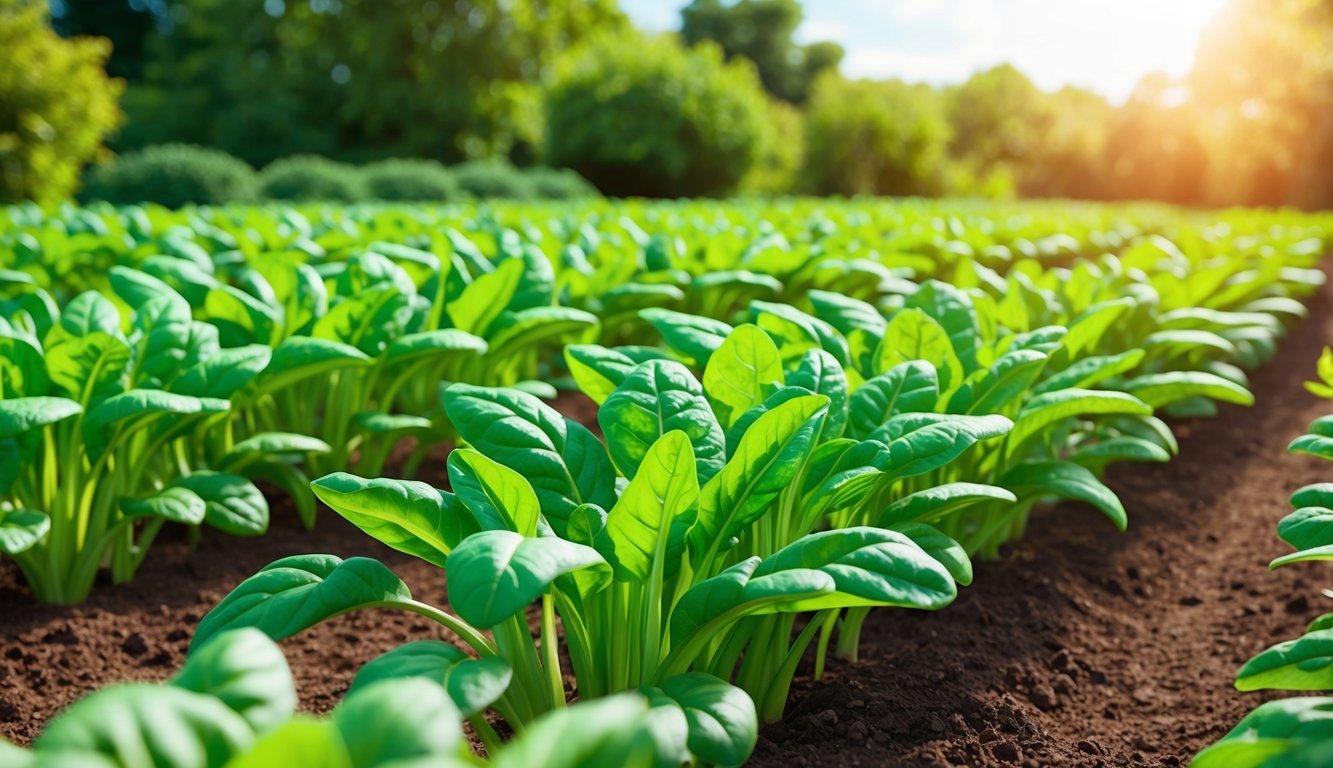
1079, 647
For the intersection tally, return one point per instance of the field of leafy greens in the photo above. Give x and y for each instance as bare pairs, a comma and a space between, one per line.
806, 410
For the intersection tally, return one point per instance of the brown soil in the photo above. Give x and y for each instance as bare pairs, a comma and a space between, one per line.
1077, 648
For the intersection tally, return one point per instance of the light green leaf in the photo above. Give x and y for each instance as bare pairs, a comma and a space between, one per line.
472, 684
398, 720
1303, 664
914, 335
566, 465
408, 515
765, 463
295, 593
1044, 410
1065, 480
497, 496
173, 504
655, 398
246, 671
493, 575
1161, 389
152, 726
234, 504
482, 302
941, 501
741, 373
24, 414
20, 529
649, 522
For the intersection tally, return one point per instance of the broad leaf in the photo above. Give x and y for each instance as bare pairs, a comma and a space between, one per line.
648, 524
566, 465
1065, 480
655, 398
408, 515
908, 387
295, 593
173, 504
493, 575
234, 504
498, 497
24, 414
473, 684
20, 529
398, 720
741, 373
1303, 664
151, 726
722, 721
765, 463
246, 671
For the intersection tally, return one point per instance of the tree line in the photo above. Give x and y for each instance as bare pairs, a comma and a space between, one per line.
729, 104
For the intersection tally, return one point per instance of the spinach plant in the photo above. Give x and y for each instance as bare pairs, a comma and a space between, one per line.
1295, 731
631, 549
233, 705
106, 437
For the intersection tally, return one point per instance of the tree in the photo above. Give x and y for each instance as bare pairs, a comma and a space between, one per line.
1263, 81
128, 24
761, 31
1067, 159
646, 116
56, 105
997, 118
879, 138
1156, 151
358, 79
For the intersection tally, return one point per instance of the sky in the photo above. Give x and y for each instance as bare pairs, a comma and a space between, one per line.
1105, 45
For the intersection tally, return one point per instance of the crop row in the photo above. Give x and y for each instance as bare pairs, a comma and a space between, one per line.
807, 411
1296, 731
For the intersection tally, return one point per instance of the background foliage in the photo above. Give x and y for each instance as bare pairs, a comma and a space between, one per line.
56, 103
651, 117
365, 80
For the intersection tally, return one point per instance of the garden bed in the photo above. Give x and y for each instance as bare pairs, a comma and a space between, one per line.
1077, 647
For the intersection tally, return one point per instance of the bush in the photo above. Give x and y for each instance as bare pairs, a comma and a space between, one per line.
875, 138
409, 181
486, 179
173, 175
559, 184
56, 104
645, 116
311, 178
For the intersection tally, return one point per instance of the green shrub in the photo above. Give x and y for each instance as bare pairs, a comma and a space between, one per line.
310, 178
868, 137
485, 179
172, 175
56, 104
559, 184
409, 181
646, 116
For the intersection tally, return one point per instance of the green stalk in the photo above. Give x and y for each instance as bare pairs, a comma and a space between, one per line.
551, 652
774, 700
486, 734
724, 661
825, 632
849, 636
